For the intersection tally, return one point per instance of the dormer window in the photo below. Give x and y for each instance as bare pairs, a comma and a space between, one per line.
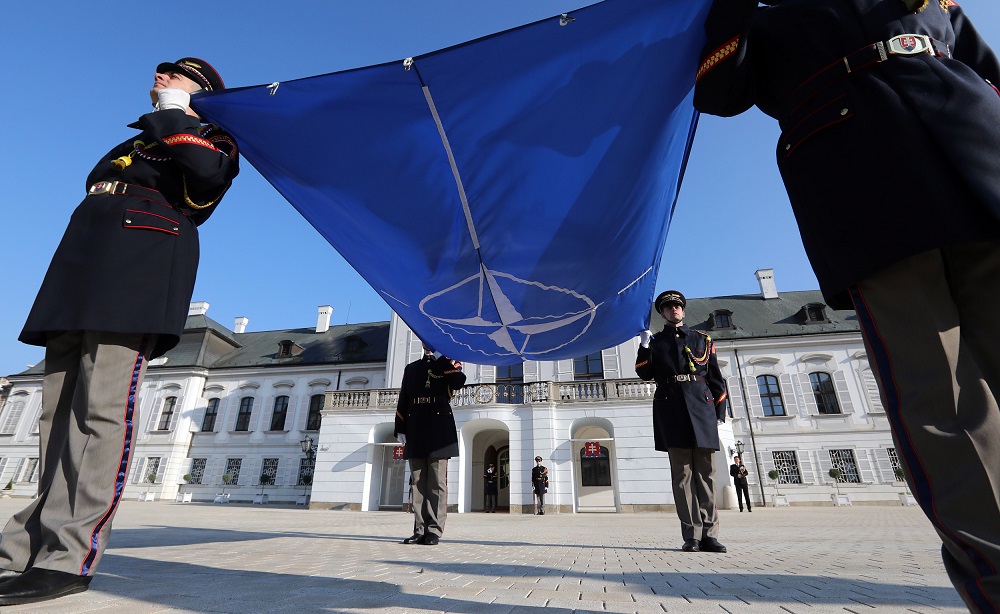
287, 347
815, 313
353, 344
721, 319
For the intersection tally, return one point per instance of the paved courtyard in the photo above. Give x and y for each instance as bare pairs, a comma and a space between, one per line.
168, 557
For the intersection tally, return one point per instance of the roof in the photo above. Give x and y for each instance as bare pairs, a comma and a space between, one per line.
753, 316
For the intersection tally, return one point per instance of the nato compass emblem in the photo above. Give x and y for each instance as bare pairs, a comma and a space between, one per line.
478, 313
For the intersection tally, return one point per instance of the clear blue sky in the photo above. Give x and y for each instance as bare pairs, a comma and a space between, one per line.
78, 72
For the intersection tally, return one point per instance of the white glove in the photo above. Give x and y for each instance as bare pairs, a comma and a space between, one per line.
436, 355
173, 98
644, 338
402, 438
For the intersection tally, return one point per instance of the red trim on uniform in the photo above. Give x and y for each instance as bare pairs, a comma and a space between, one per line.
188, 139
823, 127
169, 232
154, 215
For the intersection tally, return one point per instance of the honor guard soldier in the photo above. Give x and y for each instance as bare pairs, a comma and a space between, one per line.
738, 471
890, 120
426, 427
491, 488
688, 405
539, 485
115, 295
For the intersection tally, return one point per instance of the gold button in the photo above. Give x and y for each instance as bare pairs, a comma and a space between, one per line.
787, 147
128, 221
843, 111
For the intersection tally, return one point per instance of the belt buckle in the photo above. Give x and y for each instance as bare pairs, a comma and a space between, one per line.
103, 187
909, 44
682, 378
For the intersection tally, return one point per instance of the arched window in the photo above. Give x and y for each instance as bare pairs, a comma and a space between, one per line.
315, 406
211, 413
770, 395
826, 396
595, 470
167, 414
243, 417
279, 413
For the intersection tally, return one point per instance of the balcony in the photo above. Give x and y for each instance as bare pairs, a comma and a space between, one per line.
480, 395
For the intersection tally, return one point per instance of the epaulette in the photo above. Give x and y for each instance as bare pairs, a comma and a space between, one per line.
713, 59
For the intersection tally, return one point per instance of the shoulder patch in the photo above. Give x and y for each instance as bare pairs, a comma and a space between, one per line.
723, 52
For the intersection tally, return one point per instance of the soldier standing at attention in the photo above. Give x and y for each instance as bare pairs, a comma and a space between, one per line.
890, 119
490, 484
539, 485
426, 427
739, 473
116, 295
688, 406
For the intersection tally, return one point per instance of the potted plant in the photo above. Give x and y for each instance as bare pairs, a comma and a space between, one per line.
9, 488
906, 497
226, 479
838, 499
266, 479
777, 499
184, 497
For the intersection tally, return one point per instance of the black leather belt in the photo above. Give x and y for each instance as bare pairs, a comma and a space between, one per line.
120, 187
867, 56
424, 400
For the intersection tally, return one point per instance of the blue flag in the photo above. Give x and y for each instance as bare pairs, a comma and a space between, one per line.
508, 197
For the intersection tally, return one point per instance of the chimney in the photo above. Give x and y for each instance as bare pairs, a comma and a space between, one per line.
240, 325
768, 289
198, 308
323, 322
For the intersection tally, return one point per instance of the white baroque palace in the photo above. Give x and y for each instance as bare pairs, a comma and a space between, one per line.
306, 416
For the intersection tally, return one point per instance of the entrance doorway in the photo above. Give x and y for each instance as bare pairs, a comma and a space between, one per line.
391, 492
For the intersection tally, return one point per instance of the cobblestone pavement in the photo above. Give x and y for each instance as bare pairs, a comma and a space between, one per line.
168, 557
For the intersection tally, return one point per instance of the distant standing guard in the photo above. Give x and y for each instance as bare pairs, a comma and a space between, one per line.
688, 406
490, 484
739, 472
426, 427
539, 485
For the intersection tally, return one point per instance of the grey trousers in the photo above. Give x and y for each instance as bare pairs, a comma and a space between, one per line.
85, 440
692, 474
933, 339
430, 495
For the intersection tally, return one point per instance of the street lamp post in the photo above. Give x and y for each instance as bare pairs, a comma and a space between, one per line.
309, 449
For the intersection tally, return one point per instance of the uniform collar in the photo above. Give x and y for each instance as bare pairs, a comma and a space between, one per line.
670, 329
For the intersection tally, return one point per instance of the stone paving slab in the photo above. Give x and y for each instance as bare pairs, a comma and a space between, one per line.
180, 558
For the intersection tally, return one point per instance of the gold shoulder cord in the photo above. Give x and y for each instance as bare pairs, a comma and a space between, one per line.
194, 205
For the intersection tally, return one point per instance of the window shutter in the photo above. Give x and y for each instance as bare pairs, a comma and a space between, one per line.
292, 470
865, 468
808, 396
871, 391
34, 421
612, 363
251, 468
766, 464
884, 466
788, 395
564, 370
415, 349
843, 394
753, 398
530, 371
137, 467
806, 467
736, 397
11, 417
198, 418
16, 477
487, 374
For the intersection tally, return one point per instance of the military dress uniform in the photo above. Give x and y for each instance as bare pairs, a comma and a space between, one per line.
689, 402
539, 486
491, 488
890, 127
115, 295
738, 472
424, 416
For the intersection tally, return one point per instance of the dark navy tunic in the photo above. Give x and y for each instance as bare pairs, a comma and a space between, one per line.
686, 414
126, 263
891, 159
423, 412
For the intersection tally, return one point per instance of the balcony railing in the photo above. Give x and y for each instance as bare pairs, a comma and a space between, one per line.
478, 395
